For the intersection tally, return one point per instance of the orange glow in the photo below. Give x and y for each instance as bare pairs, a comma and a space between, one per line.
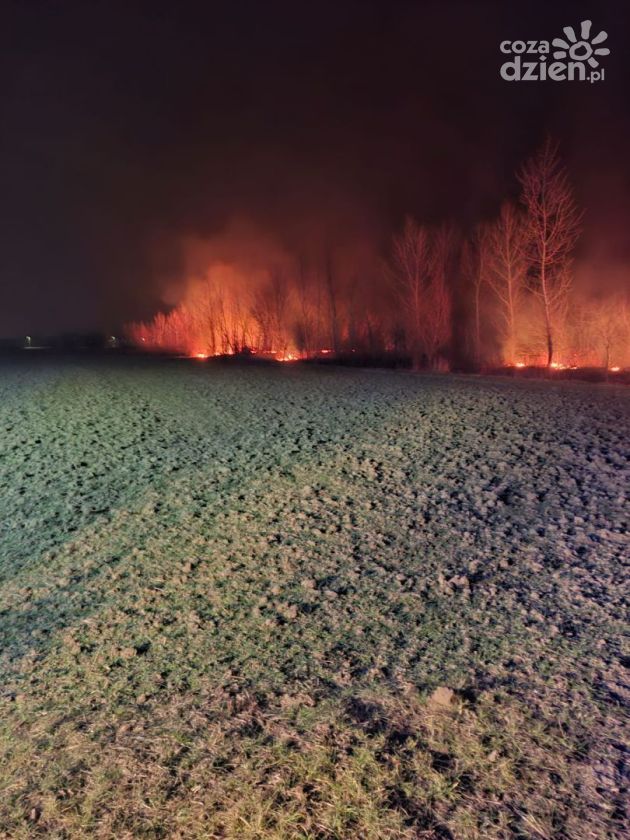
225, 310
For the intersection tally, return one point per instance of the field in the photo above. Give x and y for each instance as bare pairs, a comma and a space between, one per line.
277, 602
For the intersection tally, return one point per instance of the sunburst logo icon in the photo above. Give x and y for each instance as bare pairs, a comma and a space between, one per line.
582, 49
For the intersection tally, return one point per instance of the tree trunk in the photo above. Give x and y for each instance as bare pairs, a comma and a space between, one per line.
549, 340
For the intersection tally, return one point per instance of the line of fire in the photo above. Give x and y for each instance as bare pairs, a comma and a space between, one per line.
507, 294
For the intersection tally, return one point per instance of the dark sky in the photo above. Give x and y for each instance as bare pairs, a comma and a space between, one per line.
127, 126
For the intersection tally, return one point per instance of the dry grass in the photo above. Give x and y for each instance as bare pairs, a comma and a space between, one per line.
371, 765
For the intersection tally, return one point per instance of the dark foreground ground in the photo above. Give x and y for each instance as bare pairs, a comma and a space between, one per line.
288, 603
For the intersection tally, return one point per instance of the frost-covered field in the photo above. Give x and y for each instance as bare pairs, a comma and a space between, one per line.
299, 603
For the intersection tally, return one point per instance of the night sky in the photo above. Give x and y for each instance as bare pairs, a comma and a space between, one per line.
129, 127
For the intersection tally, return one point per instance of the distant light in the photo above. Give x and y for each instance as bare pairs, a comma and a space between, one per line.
615, 369
520, 364
200, 356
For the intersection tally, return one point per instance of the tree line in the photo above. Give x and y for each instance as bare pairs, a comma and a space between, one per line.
503, 295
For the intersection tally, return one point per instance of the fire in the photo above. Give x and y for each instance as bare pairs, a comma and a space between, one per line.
279, 315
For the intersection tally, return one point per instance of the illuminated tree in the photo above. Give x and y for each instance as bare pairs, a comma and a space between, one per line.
410, 269
306, 320
419, 267
474, 263
552, 225
610, 329
332, 294
270, 312
505, 272
437, 319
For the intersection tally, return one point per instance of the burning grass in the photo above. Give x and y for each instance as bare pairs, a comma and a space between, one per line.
234, 620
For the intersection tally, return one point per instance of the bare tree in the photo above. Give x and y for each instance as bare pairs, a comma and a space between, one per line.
505, 272
330, 284
410, 270
437, 326
475, 258
201, 304
420, 267
552, 229
305, 327
610, 329
269, 311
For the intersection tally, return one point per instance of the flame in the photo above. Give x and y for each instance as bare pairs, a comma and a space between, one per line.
226, 311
